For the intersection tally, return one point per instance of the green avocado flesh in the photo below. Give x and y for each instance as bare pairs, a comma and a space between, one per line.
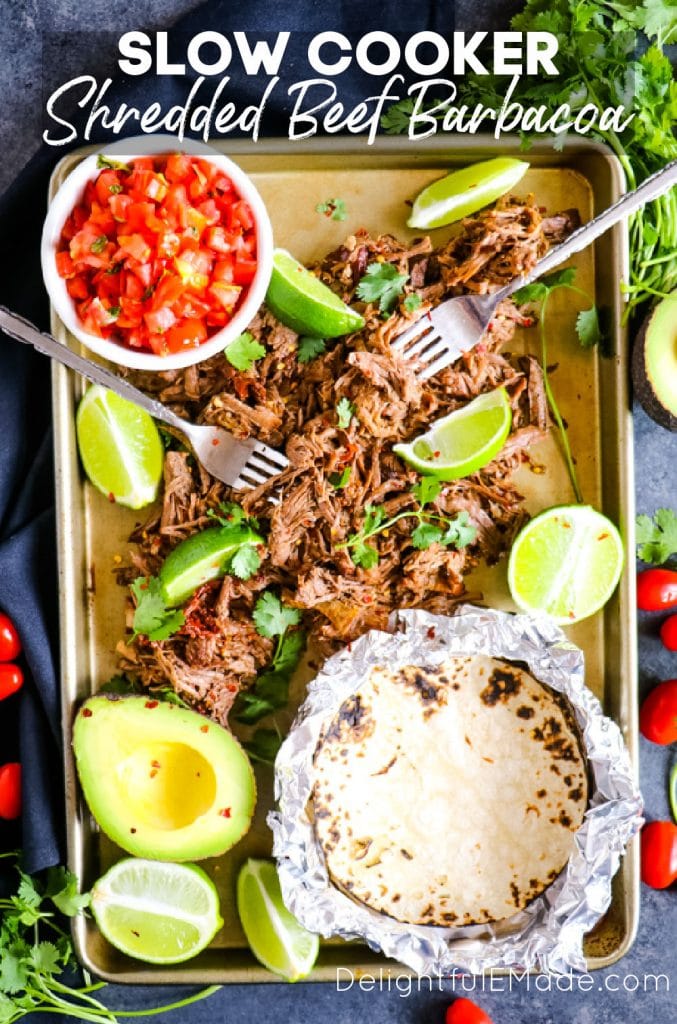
201, 558
162, 782
655, 363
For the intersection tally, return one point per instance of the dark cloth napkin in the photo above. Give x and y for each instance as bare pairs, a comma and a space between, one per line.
30, 725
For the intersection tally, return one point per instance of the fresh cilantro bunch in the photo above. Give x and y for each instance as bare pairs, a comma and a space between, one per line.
589, 334
274, 620
657, 536
35, 950
432, 528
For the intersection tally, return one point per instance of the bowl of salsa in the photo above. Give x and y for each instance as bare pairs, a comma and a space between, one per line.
157, 261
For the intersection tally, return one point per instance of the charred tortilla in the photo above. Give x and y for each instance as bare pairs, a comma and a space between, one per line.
449, 796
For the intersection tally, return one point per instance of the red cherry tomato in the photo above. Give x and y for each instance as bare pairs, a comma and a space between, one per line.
659, 854
10, 645
658, 714
10, 790
11, 679
463, 1011
669, 633
657, 590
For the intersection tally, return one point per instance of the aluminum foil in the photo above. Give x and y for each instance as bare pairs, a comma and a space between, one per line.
548, 934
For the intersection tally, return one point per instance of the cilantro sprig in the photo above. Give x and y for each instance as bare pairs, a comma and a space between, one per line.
309, 348
36, 950
245, 562
431, 528
273, 620
589, 334
345, 410
657, 536
383, 284
244, 351
152, 617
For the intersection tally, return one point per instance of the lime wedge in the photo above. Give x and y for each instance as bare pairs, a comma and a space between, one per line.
567, 562
200, 558
160, 913
464, 192
120, 447
464, 441
275, 936
302, 302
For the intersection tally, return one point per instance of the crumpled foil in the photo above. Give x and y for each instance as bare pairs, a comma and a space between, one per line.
548, 934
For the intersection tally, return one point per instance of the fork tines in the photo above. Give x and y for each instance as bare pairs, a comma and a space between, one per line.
422, 343
262, 464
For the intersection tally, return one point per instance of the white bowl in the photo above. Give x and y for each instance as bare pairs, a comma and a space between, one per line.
69, 195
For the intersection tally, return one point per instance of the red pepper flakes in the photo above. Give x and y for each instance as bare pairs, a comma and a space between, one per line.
527, 321
151, 703
603, 536
153, 773
111, 497
225, 813
490, 327
367, 599
204, 728
155, 764
86, 713
215, 441
436, 455
431, 633
566, 526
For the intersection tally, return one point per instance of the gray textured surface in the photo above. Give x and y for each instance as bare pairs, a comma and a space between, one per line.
25, 26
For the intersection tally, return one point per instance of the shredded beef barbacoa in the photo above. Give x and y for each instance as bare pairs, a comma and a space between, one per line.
293, 405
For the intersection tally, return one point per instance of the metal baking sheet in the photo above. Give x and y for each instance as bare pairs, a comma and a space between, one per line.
592, 391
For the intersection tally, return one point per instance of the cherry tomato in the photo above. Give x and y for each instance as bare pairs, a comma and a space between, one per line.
464, 1011
659, 854
657, 590
669, 633
658, 714
11, 679
10, 790
10, 645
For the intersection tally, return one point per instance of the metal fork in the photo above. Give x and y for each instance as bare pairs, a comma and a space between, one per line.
439, 337
240, 464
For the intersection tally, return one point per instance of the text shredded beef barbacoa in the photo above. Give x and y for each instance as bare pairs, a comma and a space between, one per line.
293, 405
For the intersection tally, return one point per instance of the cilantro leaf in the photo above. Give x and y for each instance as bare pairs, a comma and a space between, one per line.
229, 513
533, 292
264, 745
559, 278
99, 244
106, 163
309, 348
152, 618
345, 410
412, 302
364, 555
335, 209
244, 563
271, 617
13, 973
588, 328
657, 536
426, 534
45, 958
243, 352
250, 707
339, 480
62, 887
289, 651
395, 120
426, 490
383, 284
460, 531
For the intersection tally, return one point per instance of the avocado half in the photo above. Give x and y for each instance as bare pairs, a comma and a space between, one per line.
654, 363
162, 782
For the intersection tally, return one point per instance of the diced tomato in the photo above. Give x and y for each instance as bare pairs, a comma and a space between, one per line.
188, 333
158, 255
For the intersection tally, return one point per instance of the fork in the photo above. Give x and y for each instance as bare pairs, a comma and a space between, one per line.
455, 326
241, 464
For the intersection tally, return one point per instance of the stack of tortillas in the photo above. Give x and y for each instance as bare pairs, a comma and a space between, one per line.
449, 796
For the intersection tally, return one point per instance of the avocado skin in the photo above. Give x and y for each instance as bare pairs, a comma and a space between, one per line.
642, 384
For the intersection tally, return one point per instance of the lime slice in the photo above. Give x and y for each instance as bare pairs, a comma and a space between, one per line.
200, 558
158, 912
464, 192
464, 441
567, 562
302, 302
120, 447
275, 936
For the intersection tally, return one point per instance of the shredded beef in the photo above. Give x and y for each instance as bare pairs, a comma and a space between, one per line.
286, 403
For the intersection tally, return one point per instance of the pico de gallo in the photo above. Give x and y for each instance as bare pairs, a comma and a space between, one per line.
159, 253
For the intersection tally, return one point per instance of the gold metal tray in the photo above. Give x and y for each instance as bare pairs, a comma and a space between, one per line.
592, 390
